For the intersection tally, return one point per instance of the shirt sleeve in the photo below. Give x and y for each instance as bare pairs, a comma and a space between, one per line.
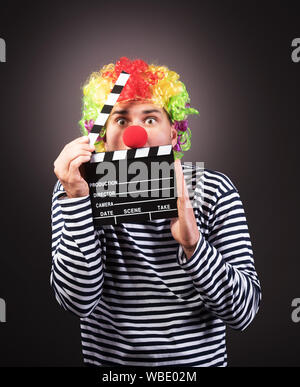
77, 254
222, 265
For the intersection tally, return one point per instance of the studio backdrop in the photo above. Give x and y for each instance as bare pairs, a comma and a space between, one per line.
240, 62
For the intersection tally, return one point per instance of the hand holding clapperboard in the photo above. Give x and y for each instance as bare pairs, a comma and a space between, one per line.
120, 194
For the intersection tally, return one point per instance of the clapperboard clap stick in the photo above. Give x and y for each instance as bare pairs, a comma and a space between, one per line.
118, 194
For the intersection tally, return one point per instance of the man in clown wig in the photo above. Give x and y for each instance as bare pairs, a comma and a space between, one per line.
160, 292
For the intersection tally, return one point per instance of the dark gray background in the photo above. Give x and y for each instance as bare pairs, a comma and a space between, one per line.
235, 59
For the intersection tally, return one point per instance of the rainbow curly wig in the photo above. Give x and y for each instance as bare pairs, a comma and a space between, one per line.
155, 84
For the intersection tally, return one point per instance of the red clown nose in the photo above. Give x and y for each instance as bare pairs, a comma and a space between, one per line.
135, 136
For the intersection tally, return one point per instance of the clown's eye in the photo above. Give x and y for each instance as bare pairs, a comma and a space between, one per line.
150, 120
121, 121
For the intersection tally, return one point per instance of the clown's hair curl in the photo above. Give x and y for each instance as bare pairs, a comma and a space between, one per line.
155, 84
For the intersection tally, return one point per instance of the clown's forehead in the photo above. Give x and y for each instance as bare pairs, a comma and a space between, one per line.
140, 105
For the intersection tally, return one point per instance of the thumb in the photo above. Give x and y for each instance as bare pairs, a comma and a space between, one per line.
173, 220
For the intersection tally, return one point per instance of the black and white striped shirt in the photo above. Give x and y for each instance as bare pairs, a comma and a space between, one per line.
140, 301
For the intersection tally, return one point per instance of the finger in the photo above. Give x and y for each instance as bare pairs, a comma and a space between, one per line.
173, 221
86, 147
80, 147
182, 191
61, 165
67, 158
81, 139
76, 163
75, 151
78, 140
69, 153
181, 185
178, 176
78, 152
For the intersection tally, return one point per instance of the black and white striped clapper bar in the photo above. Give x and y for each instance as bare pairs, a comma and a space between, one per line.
132, 185
108, 106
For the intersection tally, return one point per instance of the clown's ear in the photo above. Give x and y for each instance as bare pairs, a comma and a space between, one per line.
174, 135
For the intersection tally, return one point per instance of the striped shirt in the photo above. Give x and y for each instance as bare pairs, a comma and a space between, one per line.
139, 300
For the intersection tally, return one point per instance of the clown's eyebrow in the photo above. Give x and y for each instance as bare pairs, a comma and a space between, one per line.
125, 111
151, 111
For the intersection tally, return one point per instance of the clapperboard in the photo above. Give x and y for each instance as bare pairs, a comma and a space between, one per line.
133, 185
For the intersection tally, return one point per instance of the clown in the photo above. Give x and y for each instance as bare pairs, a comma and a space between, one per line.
148, 84
161, 292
